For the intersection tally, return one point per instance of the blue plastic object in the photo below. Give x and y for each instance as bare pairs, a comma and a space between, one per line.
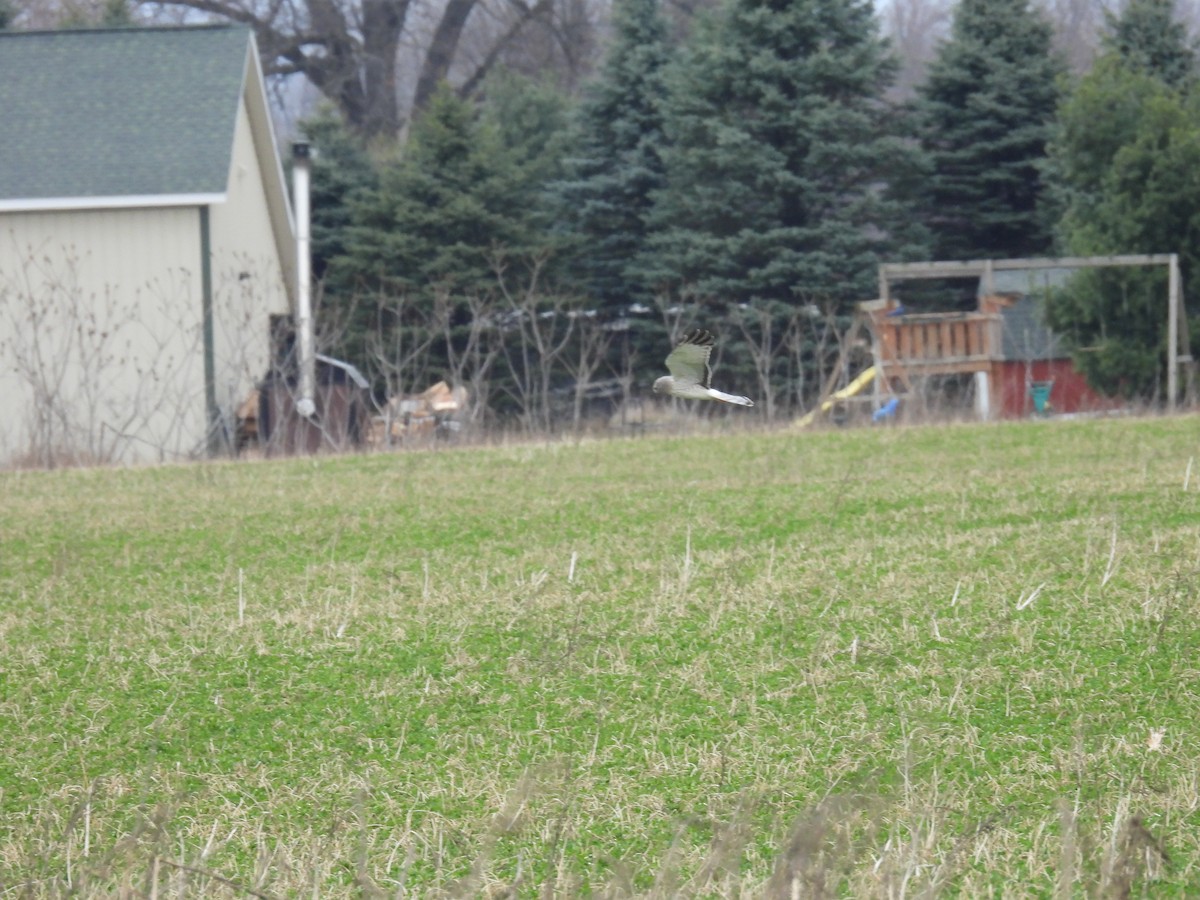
886, 411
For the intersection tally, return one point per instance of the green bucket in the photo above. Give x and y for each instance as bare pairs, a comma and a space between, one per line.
1040, 392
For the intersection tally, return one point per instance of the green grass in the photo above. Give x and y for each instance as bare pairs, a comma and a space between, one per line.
888, 663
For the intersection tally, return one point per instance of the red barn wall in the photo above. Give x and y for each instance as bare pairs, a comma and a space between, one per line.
1070, 393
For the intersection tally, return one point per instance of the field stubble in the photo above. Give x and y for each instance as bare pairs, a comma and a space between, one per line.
910, 662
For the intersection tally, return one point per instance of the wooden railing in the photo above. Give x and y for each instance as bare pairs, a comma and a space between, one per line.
937, 343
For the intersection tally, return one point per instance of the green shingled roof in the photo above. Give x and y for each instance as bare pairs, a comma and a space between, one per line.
122, 112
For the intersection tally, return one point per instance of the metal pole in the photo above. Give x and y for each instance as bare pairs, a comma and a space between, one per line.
1172, 332
306, 404
208, 336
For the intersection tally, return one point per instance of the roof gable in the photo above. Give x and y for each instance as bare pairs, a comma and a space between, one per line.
1025, 336
119, 113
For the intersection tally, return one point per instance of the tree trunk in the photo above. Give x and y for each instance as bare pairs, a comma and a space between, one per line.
441, 51
348, 49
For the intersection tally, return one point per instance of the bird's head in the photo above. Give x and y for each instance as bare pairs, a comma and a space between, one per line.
663, 385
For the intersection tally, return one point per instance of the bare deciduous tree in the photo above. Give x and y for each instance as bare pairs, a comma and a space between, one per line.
471, 348
591, 350
767, 335
543, 331
398, 350
359, 53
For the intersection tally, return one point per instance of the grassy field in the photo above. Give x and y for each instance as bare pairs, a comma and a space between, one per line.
882, 663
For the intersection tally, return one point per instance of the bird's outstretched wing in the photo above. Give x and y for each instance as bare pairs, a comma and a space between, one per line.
688, 362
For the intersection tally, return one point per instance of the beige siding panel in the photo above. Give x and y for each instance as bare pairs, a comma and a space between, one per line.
100, 336
248, 281
267, 151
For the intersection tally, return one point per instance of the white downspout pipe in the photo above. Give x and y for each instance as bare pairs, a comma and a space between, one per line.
983, 395
306, 404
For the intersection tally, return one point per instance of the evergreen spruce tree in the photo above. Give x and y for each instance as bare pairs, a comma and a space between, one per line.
617, 163
437, 212
1123, 164
1147, 55
342, 172
466, 197
985, 115
779, 153
531, 121
1148, 38
431, 225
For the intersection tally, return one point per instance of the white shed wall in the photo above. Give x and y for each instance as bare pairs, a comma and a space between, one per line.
100, 336
248, 281
101, 330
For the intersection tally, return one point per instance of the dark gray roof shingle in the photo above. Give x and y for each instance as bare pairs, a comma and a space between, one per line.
120, 112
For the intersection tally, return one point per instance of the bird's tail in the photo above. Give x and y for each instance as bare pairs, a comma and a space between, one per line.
730, 398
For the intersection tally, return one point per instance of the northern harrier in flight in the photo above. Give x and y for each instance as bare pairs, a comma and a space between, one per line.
690, 372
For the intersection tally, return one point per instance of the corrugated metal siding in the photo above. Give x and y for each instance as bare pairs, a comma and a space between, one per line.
100, 334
